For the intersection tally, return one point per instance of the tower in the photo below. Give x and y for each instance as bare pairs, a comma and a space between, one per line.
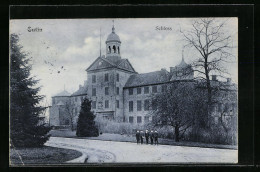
113, 46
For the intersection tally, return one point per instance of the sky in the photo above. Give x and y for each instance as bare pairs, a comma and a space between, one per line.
65, 48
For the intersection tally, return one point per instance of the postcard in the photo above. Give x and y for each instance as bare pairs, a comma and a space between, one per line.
123, 90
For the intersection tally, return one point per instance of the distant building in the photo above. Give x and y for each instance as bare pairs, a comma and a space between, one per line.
116, 90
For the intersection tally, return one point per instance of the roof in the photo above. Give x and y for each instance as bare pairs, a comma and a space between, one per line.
156, 77
63, 93
80, 91
121, 64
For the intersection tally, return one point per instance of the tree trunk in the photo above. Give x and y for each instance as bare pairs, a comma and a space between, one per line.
72, 127
177, 132
71, 124
208, 85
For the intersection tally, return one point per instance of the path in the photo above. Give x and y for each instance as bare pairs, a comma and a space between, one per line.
122, 152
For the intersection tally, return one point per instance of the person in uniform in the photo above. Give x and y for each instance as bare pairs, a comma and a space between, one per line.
137, 135
146, 136
155, 137
151, 137
142, 136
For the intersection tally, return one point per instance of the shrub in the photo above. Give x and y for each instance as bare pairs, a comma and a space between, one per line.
214, 135
86, 126
110, 126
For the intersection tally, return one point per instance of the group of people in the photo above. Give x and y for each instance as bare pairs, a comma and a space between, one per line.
152, 136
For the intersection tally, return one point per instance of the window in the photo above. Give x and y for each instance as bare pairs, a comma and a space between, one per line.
131, 91
93, 91
53, 101
139, 90
146, 119
146, 105
82, 98
106, 104
131, 119
154, 89
106, 91
67, 122
139, 105
153, 118
216, 119
219, 107
146, 90
131, 106
117, 77
93, 78
106, 77
117, 103
139, 119
154, 105
164, 88
94, 104
117, 90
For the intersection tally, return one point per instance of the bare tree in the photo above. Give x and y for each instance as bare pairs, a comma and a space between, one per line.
209, 38
69, 111
175, 107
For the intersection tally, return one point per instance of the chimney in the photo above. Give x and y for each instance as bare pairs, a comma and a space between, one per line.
85, 82
228, 80
80, 86
214, 77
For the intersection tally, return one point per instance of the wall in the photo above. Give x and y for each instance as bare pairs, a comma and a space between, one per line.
100, 85
136, 97
56, 111
54, 116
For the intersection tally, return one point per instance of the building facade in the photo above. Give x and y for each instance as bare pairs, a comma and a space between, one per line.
116, 90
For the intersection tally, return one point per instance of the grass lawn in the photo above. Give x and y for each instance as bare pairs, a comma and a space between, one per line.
44, 155
131, 138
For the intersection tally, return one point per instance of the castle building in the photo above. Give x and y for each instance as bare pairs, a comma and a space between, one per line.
116, 90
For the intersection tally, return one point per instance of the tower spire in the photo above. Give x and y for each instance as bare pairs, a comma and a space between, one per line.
113, 28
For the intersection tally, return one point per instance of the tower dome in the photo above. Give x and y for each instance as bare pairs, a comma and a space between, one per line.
113, 44
113, 37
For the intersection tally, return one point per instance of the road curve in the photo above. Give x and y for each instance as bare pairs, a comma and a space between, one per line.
97, 151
